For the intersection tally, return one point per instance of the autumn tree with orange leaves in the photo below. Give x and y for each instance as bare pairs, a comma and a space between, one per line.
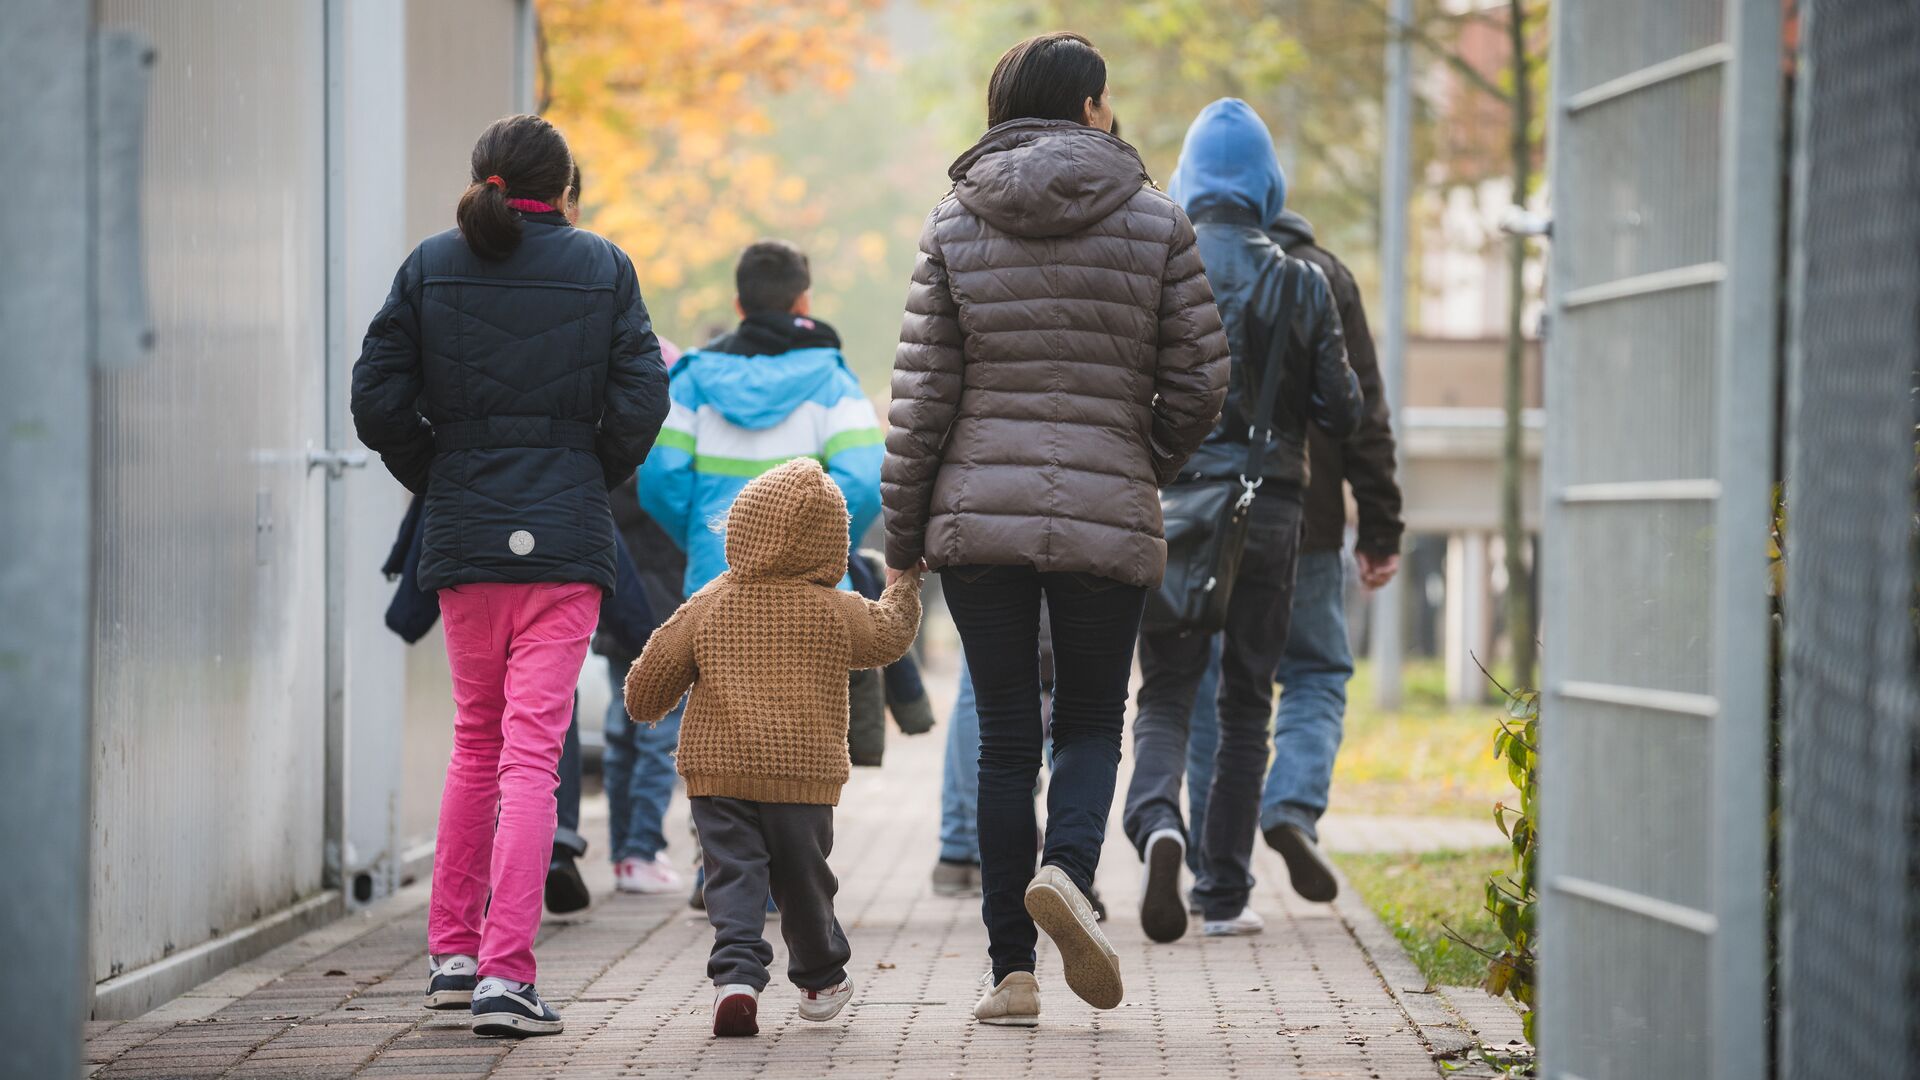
664, 104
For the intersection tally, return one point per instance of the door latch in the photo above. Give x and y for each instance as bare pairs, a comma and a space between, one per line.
336, 462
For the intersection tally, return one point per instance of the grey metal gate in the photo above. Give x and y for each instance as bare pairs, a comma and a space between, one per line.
1659, 463
1850, 834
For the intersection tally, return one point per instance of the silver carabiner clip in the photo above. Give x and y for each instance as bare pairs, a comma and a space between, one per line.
1246, 496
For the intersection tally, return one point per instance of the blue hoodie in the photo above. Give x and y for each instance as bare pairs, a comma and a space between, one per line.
1228, 161
774, 390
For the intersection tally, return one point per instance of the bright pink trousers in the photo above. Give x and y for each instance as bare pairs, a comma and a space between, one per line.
516, 652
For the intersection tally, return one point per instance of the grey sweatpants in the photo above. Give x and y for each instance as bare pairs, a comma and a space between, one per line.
751, 849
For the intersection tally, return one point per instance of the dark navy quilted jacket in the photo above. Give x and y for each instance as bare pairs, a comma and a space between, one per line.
513, 394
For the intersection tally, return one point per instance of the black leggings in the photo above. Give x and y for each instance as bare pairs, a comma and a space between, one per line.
1094, 621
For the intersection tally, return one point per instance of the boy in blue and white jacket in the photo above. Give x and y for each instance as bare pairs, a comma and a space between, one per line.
774, 389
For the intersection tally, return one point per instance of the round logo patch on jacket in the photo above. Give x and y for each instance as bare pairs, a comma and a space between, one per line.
521, 542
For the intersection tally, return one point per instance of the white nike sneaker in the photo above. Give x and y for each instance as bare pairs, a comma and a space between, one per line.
821, 1005
736, 1008
649, 877
1241, 925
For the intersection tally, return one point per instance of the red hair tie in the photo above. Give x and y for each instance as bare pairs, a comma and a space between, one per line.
497, 182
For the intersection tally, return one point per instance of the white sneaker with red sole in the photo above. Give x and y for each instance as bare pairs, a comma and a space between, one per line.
736, 1010
822, 1005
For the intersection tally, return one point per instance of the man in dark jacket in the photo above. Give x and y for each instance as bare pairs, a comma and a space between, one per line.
1318, 661
1230, 183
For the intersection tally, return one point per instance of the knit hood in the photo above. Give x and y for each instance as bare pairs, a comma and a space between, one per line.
1046, 177
1228, 162
789, 523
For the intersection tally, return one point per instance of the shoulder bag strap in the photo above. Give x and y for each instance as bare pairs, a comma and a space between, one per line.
1260, 433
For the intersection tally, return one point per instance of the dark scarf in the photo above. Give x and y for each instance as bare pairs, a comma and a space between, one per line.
769, 333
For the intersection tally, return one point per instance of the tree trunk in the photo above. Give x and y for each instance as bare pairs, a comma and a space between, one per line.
1513, 462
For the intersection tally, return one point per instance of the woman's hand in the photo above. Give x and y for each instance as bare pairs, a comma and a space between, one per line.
895, 575
1376, 570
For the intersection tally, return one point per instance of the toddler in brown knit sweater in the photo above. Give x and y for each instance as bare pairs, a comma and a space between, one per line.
766, 648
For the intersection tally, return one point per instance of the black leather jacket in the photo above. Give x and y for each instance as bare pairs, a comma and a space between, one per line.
1317, 386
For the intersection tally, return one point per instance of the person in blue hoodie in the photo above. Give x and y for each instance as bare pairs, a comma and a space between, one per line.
1277, 309
773, 390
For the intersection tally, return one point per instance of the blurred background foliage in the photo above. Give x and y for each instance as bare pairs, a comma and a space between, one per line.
705, 124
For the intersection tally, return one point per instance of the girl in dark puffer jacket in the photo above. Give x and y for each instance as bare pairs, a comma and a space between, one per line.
512, 377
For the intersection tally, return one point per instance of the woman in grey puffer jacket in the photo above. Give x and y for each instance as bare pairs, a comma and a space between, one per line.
1061, 357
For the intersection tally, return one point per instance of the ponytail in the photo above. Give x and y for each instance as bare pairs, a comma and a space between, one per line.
521, 157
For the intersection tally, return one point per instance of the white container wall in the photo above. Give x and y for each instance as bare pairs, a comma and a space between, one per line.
236, 619
209, 767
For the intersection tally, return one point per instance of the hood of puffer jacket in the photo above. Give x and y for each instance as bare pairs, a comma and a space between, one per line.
789, 523
1042, 178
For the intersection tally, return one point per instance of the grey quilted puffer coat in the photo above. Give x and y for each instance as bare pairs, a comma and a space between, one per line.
1060, 358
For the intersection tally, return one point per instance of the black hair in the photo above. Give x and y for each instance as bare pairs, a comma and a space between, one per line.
531, 160
1048, 77
771, 276
575, 181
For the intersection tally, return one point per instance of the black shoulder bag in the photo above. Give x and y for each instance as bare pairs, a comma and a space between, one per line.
1205, 521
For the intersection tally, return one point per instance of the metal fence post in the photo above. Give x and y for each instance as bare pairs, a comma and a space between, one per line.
1387, 642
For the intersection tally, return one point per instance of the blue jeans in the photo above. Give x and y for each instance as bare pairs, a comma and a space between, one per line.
566, 797
960, 780
1312, 674
638, 768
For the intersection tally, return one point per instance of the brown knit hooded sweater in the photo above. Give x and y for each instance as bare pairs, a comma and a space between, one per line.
767, 647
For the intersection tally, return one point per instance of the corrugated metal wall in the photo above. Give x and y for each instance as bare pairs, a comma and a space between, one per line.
208, 610
1660, 375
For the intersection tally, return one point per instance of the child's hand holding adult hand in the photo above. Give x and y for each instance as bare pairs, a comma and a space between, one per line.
895, 575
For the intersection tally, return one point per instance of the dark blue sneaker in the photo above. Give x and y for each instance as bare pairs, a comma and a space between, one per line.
514, 1014
450, 986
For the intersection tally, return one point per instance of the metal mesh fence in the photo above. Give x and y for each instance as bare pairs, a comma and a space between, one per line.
1850, 841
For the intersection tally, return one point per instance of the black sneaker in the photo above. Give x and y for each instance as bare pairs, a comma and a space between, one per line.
450, 986
1162, 914
566, 889
1312, 877
512, 1014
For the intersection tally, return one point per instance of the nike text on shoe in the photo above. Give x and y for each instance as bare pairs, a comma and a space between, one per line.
1091, 968
1012, 1002
450, 981
1163, 914
1307, 869
821, 1005
1247, 922
736, 1008
511, 1010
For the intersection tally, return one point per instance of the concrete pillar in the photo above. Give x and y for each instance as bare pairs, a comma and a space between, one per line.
1466, 616
46, 505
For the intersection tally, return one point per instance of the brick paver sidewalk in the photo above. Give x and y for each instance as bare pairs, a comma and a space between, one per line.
1305, 999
